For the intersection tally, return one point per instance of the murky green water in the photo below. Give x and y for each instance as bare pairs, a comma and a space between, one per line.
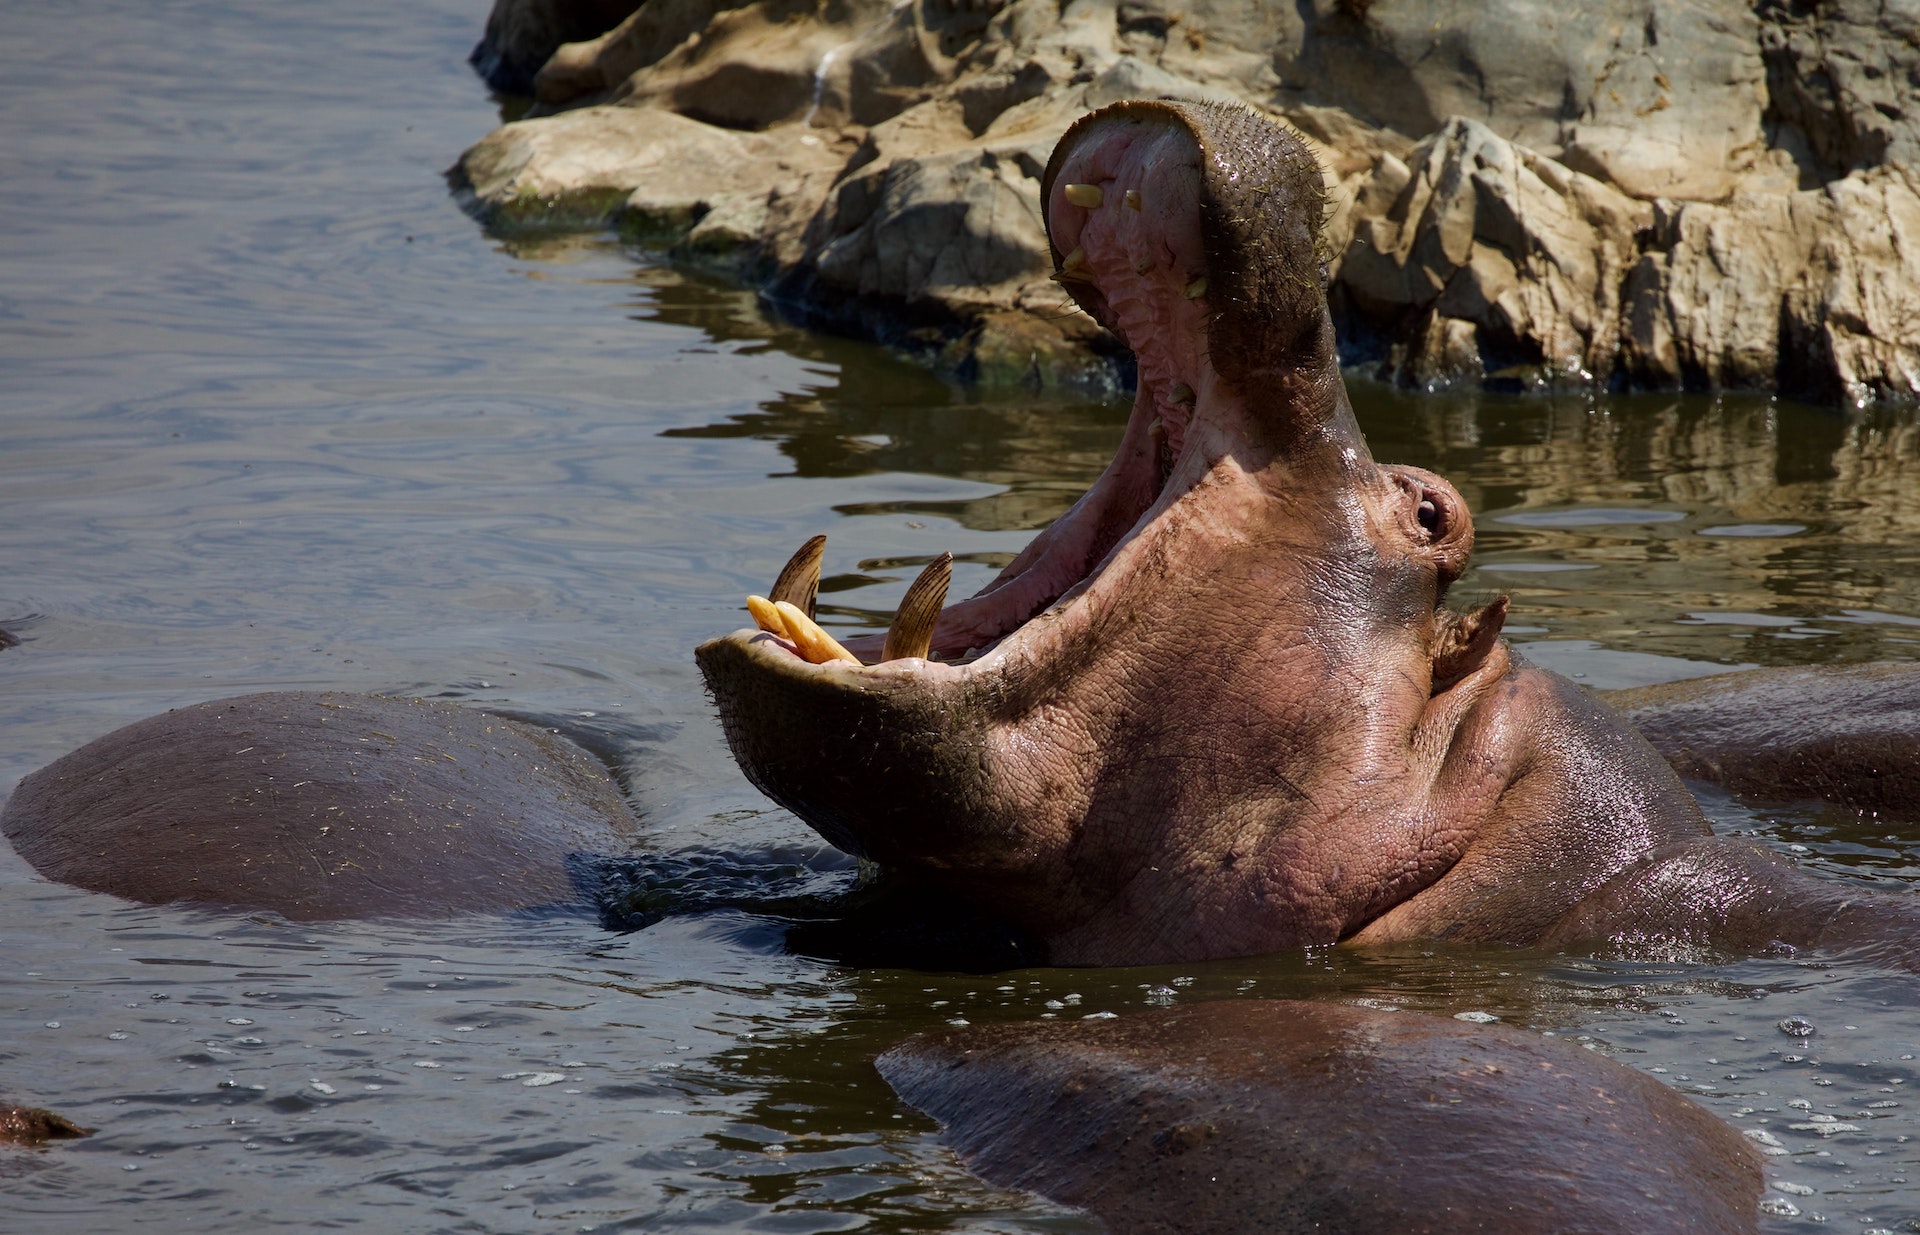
273, 413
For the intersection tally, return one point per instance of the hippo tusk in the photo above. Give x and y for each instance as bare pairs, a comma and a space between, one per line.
1197, 288
814, 643
912, 631
1086, 196
799, 581
767, 617
1132, 199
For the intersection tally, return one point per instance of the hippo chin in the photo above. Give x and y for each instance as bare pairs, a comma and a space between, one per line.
1220, 707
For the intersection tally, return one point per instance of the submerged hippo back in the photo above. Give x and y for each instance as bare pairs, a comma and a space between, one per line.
321, 805
1285, 1117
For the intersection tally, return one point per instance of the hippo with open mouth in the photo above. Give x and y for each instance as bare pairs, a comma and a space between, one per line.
1221, 707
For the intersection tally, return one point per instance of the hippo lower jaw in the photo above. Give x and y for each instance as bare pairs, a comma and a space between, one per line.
1221, 708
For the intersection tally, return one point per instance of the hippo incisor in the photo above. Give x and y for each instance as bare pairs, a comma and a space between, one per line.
1221, 707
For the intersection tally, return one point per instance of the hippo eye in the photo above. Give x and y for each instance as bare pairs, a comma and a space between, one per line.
1429, 516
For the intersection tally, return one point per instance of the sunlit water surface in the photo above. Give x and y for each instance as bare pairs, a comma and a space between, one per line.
273, 413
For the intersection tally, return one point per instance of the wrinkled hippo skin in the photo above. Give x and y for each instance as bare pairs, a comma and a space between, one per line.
1305, 1117
1221, 707
31, 1125
322, 805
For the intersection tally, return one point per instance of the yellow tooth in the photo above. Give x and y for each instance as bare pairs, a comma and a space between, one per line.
1087, 196
1073, 268
799, 580
815, 644
911, 633
1181, 394
766, 615
1197, 288
1143, 265
1133, 199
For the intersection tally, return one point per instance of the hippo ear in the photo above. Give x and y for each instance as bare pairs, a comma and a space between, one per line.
1463, 640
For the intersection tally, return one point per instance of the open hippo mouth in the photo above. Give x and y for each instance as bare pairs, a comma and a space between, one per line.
1216, 708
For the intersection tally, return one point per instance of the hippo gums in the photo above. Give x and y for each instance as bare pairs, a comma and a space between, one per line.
1221, 707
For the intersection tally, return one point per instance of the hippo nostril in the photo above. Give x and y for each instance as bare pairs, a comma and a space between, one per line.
1429, 516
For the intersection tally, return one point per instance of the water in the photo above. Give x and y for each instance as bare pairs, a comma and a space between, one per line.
274, 413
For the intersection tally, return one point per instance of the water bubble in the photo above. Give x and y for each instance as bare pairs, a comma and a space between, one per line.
320, 1086
1766, 1141
1825, 1125
1796, 1027
959, 1022
1476, 1018
1791, 1189
1161, 996
1779, 1207
1101, 1016
53, 1024
116, 1036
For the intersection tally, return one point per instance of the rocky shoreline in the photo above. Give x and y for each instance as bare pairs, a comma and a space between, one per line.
1667, 194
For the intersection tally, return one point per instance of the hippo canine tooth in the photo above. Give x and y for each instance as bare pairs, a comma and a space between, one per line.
912, 631
814, 643
1086, 196
799, 581
1132, 199
1197, 288
1181, 394
1073, 268
767, 616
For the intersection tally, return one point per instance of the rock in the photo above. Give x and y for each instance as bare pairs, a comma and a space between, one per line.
1841, 78
655, 172
522, 34
1668, 193
32, 1125
1815, 293
1478, 254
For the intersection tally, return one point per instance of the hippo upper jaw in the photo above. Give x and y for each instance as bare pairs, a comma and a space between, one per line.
1220, 708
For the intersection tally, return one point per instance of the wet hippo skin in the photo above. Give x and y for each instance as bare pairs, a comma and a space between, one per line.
1259, 1116
322, 805
1849, 734
1222, 706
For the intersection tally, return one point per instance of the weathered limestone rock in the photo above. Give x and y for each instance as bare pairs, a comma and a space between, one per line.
1492, 249
1693, 193
522, 34
653, 171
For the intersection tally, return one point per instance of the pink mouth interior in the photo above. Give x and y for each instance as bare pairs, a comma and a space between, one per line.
1145, 262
